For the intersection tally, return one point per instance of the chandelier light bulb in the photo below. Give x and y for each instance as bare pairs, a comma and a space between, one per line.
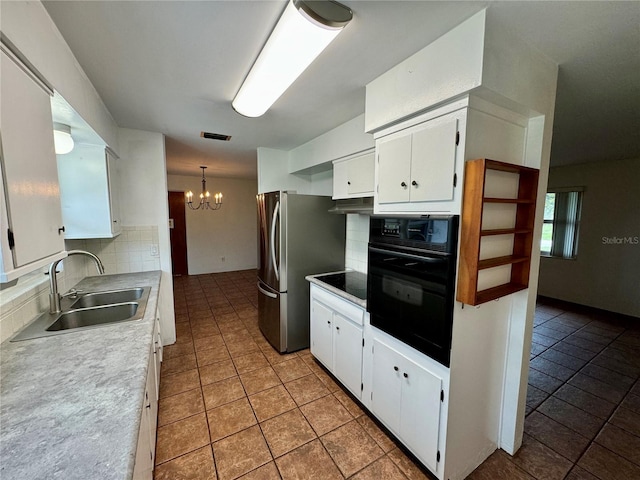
204, 203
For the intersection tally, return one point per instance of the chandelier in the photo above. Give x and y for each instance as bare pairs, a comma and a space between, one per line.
204, 197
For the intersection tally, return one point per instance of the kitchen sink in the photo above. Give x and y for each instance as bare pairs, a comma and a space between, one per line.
91, 310
108, 298
89, 317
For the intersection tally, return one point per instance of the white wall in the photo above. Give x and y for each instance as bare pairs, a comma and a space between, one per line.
223, 240
342, 141
143, 202
307, 169
28, 26
605, 273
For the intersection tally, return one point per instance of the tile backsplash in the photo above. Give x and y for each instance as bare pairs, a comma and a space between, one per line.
134, 250
357, 242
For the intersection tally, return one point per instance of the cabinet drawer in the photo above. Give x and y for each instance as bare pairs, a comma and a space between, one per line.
344, 307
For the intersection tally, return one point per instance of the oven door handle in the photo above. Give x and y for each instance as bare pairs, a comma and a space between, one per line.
407, 255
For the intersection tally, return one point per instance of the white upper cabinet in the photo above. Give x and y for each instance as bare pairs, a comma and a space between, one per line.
417, 166
32, 233
354, 177
89, 192
394, 170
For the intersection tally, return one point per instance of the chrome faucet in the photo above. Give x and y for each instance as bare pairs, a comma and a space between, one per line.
54, 296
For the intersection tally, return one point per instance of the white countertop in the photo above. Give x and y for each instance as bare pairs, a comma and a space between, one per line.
70, 404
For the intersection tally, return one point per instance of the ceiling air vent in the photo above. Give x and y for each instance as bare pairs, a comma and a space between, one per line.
215, 136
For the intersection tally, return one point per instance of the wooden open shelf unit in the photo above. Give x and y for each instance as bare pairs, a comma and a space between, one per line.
471, 232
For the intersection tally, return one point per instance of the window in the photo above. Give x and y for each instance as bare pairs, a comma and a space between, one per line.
561, 222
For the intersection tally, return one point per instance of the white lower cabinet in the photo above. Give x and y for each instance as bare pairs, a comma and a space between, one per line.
403, 390
406, 398
146, 448
336, 337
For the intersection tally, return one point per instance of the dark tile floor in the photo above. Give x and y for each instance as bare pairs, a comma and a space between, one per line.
583, 401
231, 407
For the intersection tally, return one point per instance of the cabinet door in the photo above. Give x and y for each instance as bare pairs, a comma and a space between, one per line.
361, 174
152, 409
143, 467
321, 333
84, 189
340, 174
394, 169
29, 166
386, 385
347, 353
420, 411
114, 192
433, 161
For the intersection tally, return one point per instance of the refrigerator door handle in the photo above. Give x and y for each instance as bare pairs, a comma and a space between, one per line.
268, 294
274, 219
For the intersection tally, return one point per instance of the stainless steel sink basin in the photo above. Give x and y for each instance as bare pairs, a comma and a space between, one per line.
89, 317
108, 298
92, 310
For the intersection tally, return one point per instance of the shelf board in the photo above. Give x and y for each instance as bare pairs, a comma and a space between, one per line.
497, 292
522, 216
508, 200
504, 231
498, 261
507, 167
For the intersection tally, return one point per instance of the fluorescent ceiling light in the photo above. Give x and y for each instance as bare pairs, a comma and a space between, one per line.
302, 33
62, 138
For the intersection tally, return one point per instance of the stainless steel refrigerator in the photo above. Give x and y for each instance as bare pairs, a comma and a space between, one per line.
296, 237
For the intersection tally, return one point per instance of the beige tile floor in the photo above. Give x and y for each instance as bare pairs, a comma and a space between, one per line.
232, 407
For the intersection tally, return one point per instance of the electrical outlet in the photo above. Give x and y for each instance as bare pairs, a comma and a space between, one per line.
154, 250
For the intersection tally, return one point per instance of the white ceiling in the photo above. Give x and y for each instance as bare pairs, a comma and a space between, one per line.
174, 67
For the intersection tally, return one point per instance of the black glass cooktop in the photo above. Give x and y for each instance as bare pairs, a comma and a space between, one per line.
354, 283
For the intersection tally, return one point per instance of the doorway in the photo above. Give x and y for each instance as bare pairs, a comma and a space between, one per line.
178, 233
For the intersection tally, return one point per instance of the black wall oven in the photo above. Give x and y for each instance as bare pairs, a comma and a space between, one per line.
411, 280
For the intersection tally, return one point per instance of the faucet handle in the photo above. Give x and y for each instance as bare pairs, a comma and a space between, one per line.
72, 293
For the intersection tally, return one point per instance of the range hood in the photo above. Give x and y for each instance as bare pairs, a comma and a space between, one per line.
362, 205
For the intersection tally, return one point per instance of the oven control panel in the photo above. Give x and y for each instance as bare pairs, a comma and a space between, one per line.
429, 232
391, 228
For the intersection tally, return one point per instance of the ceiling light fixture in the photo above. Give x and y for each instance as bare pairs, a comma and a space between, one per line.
304, 30
204, 197
62, 139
